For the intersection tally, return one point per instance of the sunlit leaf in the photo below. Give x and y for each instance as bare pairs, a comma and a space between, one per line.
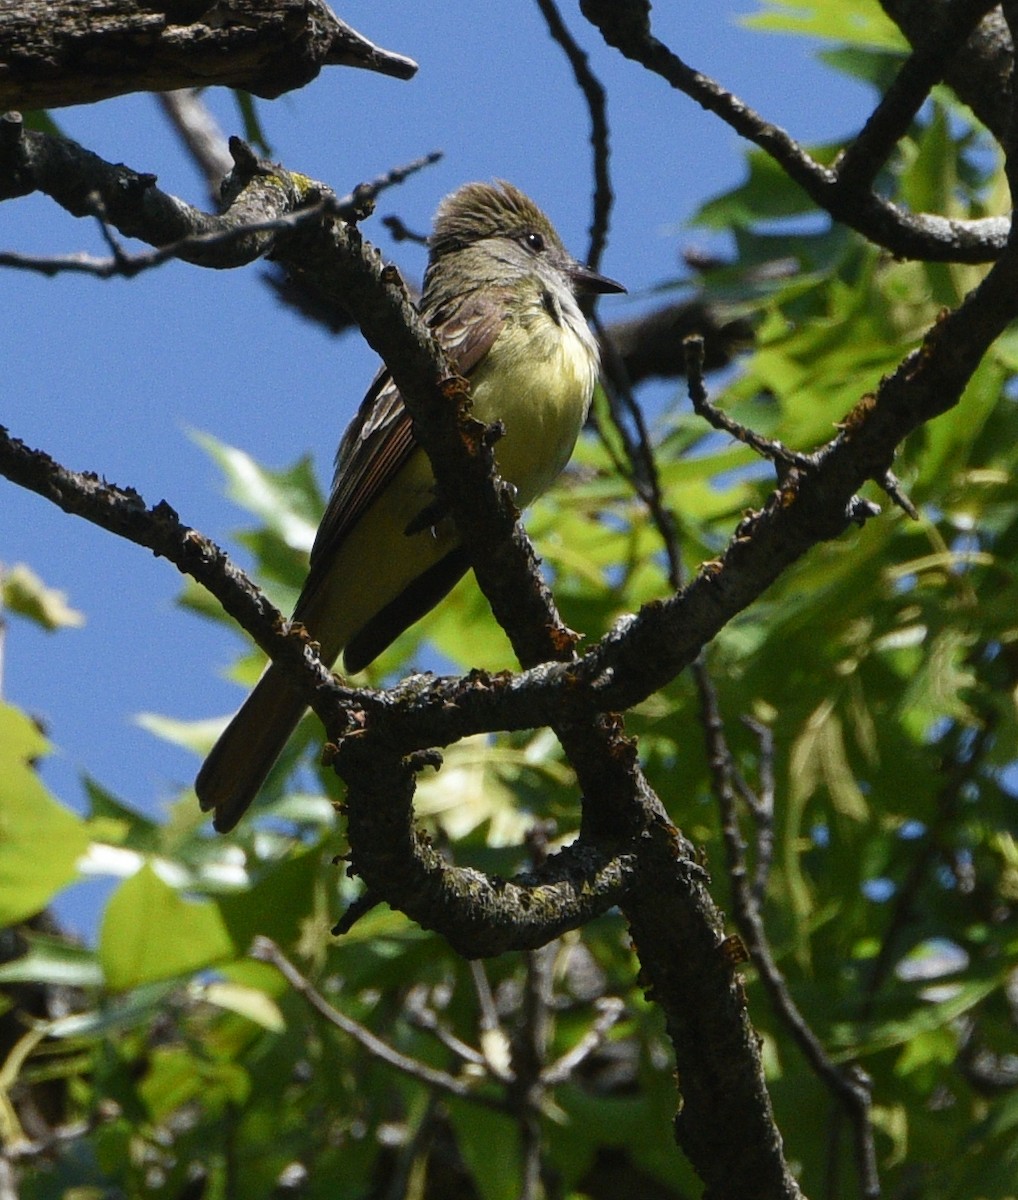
248, 1002
54, 961
41, 842
23, 592
862, 23
151, 932
288, 501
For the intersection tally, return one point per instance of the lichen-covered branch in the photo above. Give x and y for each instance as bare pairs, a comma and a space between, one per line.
129, 201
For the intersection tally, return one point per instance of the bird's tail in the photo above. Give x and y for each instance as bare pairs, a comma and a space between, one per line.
238, 763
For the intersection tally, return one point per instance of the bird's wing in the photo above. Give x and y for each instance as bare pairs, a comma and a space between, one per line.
381, 437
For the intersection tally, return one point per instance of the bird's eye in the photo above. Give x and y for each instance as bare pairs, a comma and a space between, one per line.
534, 241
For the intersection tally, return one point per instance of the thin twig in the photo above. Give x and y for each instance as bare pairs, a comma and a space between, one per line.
399, 231
594, 94
365, 194
641, 468
767, 448
423, 1017
529, 1045
356, 909
892, 486
265, 950
199, 131
128, 265
609, 1010
849, 1086
761, 806
494, 1041
351, 207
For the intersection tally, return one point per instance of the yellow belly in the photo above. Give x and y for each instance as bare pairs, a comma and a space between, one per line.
539, 384
538, 380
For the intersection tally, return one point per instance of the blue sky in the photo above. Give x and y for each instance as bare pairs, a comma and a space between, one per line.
112, 376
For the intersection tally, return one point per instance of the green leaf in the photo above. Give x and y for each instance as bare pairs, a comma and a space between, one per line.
23, 592
253, 131
288, 501
277, 905
768, 194
484, 782
819, 757
248, 1002
923, 1019
150, 932
196, 599
197, 736
462, 629
489, 1144
53, 961
40, 120
861, 23
135, 1009
113, 822
639, 1124
176, 1076
937, 686
930, 1047
876, 67
41, 842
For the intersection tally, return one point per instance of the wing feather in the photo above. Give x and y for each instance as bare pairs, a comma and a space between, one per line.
381, 437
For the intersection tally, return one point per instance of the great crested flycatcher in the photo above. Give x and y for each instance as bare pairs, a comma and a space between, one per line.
500, 293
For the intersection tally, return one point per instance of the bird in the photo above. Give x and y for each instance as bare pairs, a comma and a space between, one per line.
500, 295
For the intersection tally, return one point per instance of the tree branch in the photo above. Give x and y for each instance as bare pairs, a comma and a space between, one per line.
890, 120
66, 52
593, 92
123, 511
265, 950
980, 71
849, 1085
625, 24
86, 185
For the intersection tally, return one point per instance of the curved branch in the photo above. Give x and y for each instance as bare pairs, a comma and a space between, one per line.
594, 94
981, 69
478, 915
625, 24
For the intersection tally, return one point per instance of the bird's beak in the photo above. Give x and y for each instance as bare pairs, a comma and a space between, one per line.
585, 280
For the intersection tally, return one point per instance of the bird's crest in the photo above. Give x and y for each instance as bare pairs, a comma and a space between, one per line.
482, 210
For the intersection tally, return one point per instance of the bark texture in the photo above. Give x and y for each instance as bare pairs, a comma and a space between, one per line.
79, 51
